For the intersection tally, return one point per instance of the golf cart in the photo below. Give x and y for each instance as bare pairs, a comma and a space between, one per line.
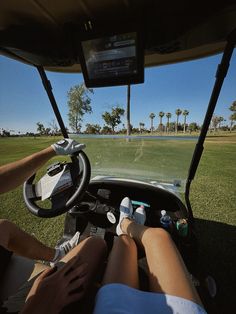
111, 42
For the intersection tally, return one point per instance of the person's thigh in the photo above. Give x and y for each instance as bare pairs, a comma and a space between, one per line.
122, 265
92, 251
167, 271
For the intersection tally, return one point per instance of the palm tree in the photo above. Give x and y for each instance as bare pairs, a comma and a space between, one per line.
168, 116
152, 116
128, 110
185, 114
233, 106
161, 115
178, 113
232, 119
141, 126
216, 120
221, 119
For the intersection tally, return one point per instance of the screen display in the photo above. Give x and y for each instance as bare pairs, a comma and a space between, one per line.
111, 57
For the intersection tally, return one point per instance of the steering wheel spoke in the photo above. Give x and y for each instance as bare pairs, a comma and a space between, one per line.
32, 193
59, 200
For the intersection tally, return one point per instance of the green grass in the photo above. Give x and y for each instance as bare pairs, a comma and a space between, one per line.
213, 198
213, 192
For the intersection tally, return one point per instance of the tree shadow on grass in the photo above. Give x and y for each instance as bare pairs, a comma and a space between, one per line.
217, 258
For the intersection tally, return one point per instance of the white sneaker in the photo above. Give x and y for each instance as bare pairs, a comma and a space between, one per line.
140, 215
65, 247
126, 211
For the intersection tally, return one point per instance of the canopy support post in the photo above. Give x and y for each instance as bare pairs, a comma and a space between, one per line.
220, 76
48, 87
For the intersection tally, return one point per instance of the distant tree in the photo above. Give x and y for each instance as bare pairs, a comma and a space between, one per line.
161, 115
178, 113
54, 127
221, 119
113, 118
233, 106
135, 130
232, 117
47, 131
30, 134
124, 130
151, 116
141, 126
92, 128
106, 130
40, 128
78, 104
216, 121
193, 126
185, 114
172, 126
6, 133
168, 116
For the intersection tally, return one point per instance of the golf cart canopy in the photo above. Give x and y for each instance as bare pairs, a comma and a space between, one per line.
49, 34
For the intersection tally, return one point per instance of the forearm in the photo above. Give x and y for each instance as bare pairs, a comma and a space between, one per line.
15, 173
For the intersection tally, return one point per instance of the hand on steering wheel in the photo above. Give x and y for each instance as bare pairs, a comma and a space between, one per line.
67, 146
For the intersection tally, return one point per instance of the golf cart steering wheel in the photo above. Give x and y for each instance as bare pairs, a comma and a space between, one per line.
64, 200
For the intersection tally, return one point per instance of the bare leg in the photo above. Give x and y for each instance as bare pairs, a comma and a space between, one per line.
122, 265
167, 272
92, 251
22, 243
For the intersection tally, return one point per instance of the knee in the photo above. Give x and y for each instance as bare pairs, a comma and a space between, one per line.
97, 244
127, 241
161, 233
157, 234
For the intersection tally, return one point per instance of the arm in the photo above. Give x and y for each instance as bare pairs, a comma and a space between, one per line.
15, 173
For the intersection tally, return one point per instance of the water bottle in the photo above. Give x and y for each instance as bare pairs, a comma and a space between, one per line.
165, 220
140, 215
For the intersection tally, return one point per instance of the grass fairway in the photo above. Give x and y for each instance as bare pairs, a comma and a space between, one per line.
213, 193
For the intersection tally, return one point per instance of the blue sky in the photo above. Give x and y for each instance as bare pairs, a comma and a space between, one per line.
187, 85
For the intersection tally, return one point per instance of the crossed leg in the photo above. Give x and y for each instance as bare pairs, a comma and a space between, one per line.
167, 272
23, 244
91, 251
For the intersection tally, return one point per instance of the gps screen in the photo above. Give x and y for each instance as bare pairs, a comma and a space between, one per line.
111, 57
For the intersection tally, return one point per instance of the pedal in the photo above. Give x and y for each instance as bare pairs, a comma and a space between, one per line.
98, 232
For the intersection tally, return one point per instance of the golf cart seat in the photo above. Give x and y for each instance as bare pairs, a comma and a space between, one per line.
18, 272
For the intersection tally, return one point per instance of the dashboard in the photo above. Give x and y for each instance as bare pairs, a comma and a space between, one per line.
105, 196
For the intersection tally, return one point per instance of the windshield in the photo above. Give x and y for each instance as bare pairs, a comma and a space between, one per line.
166, 114
152, 159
